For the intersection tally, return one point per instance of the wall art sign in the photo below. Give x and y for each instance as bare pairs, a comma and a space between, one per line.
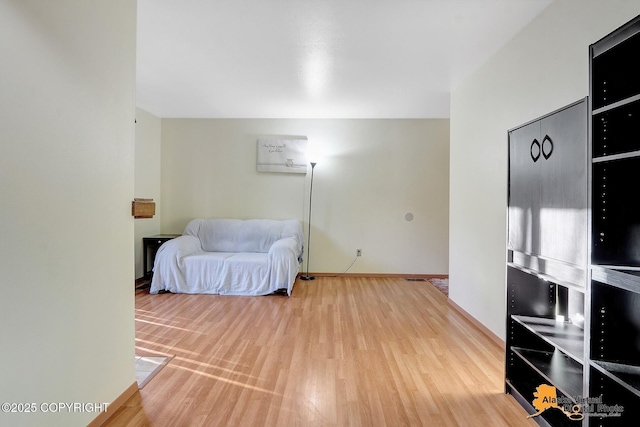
282, 154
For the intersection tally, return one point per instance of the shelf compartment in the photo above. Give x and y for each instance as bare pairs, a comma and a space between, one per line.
521, 336
617, 130
628, 376
524, 382
615, 323
614, 72
532, 293
615, 219
567, 337
611, 392
558, 369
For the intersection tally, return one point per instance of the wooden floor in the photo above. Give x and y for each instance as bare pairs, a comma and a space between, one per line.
338, 352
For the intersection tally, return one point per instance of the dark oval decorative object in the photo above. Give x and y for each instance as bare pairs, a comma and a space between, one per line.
535, 150
547, 147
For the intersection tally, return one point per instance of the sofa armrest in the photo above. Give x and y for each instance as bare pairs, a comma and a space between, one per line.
285, 256
287, 247
168, 268
179, 247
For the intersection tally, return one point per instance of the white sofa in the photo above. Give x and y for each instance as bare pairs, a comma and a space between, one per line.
230, 257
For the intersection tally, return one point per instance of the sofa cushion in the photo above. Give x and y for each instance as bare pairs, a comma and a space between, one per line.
236, 235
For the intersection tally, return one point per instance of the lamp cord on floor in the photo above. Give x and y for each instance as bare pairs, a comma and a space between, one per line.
348, 268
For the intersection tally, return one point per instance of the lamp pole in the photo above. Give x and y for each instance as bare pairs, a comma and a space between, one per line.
307, 277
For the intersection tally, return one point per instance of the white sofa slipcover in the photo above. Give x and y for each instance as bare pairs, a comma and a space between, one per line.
230, 257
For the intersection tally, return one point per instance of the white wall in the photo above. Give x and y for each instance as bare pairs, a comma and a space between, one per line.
67, 85
147, 178
372, 173
544, 68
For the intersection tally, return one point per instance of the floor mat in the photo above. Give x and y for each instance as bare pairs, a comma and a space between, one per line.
148, 366
441, 284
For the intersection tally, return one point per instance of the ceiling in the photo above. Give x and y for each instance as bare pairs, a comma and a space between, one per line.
316, 58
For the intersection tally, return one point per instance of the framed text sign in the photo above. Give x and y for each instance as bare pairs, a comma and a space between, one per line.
282, 154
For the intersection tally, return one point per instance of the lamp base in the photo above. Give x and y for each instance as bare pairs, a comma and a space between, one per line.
307, 277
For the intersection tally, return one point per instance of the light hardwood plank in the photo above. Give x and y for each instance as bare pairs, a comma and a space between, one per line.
350, 351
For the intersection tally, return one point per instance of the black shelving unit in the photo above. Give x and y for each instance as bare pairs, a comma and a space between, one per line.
614, 288
615, 344
573, 322
544, 346
547, 268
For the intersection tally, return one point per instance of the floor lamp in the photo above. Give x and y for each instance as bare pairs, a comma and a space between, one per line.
307, 277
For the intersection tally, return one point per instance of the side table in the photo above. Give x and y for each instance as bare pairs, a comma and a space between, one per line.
150, 246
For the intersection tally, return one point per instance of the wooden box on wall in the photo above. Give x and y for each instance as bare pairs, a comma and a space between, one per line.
143, 208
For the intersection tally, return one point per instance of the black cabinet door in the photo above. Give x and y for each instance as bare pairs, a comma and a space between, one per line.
563, 204
548, 186
524, 188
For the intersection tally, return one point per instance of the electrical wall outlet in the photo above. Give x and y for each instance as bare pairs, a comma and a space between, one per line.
358, 252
